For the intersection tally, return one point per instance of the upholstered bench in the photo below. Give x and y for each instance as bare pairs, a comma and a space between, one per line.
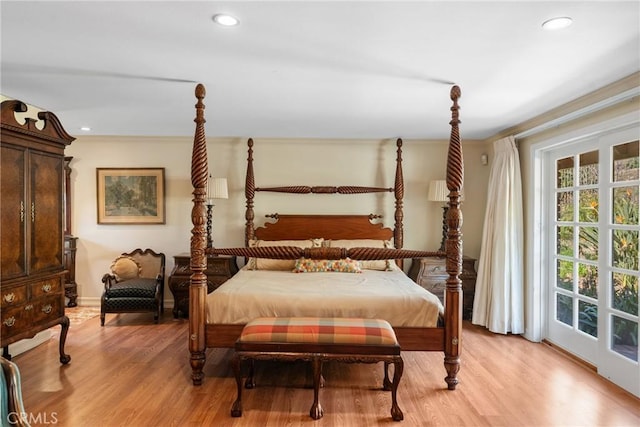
318, 339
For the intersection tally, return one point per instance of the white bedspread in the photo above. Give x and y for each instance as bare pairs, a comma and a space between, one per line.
388, 295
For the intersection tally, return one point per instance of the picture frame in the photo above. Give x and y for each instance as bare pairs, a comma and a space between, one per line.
130, 195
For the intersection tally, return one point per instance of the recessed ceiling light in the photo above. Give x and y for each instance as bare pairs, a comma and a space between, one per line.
85, 128
225, 20
557, 23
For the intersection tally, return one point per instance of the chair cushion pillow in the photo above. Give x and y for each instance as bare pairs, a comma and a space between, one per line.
125, 268
140, 288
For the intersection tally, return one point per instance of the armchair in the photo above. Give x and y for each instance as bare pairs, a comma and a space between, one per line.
135, 284
13, 412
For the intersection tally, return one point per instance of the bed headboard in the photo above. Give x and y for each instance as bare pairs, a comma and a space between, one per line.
302, 227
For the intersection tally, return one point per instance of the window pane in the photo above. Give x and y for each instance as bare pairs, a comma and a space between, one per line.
624, 337
625, 249
625, 205
588, 318
589, 168
564, 309
588, 280
588, 205
588, 243
625, 293
565, 240
565, 206
625, 162
565, 172
565, 275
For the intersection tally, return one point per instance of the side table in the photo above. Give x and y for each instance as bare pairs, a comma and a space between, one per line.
431, 274
219, 269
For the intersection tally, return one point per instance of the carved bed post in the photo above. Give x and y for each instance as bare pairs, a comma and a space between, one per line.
398, 234
398, 188
453, 247
198, 285
249, 192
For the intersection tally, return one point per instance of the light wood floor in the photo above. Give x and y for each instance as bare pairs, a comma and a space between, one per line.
135, 373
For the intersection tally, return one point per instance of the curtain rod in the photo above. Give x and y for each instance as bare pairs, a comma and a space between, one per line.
601, 105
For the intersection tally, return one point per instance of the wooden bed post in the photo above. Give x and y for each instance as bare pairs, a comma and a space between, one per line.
198, 285
398, 188
453, 248
398, 233
249, 193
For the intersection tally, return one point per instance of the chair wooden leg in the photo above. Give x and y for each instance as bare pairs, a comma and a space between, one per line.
316, 411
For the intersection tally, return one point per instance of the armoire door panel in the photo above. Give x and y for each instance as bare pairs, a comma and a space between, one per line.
13, 212
46, 212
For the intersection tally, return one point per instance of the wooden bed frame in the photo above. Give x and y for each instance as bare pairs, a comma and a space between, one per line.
295, 227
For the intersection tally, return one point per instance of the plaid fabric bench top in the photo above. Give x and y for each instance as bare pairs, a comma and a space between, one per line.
319, 330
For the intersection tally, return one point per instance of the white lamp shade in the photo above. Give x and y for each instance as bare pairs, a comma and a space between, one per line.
438, 191
217, 188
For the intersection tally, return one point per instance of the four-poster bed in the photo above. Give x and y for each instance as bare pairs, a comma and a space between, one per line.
317, 240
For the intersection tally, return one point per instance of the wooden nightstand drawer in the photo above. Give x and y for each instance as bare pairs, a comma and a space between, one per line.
431, 274
219, 269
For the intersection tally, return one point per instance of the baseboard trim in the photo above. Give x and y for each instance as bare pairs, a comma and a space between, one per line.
571, 356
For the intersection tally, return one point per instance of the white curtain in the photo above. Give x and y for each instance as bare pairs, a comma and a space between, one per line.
499, 300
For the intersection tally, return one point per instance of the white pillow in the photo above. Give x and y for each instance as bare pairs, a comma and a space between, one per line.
278, 264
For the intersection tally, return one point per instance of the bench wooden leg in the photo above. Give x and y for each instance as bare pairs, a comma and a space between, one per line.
251, 379
398, 367
386, 383
316, 411
236, 409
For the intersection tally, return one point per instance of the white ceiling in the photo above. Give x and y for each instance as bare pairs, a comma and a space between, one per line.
364, 69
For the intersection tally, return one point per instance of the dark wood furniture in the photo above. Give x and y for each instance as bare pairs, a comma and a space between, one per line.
138, 292
70, 285
32, 268
447, 338
70, 242
431, 274
318, 340
219, 269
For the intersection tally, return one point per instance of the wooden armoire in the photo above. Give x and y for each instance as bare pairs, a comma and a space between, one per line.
32, 275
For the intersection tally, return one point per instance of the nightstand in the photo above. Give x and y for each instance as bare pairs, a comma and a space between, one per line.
431, 274
219, 269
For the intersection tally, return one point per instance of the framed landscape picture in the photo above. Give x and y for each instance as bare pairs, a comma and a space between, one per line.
130, 196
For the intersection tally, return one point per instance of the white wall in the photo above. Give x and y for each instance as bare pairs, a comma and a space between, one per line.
277, 162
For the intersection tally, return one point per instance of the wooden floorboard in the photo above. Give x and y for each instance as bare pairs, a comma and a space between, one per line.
132, 372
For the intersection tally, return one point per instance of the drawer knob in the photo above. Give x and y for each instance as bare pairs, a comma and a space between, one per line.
28, 307
10, 321
46, 287
47, 308
10, 297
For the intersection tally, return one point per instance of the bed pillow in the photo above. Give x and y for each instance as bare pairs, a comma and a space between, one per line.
278, 264
365, 243
125, 268
347, 265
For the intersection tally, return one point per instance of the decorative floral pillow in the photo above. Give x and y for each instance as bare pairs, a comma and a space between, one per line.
347, 265
365, 243
125, 268
278, 264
